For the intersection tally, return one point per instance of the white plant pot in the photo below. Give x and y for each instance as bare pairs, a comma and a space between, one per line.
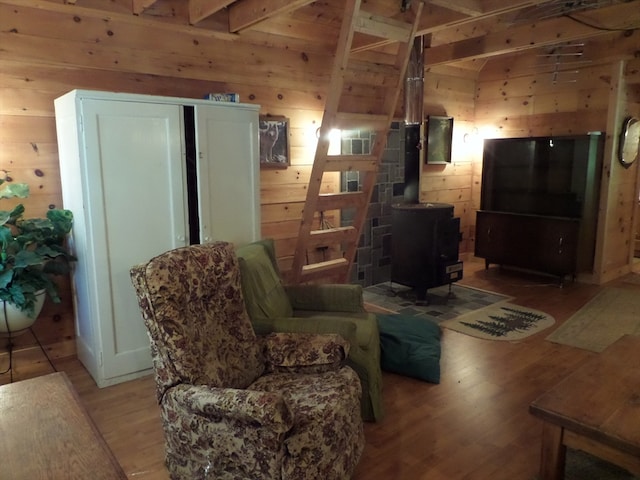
17, 320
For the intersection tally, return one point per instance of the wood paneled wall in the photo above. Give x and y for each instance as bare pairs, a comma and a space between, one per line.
619, 196
51, 48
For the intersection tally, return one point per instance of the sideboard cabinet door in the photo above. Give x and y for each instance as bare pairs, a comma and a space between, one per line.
533, 242
124, 177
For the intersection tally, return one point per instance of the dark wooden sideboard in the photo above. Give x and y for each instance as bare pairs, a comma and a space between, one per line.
539, 203
534, 242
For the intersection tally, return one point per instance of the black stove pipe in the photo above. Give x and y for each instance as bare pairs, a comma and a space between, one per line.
413, 107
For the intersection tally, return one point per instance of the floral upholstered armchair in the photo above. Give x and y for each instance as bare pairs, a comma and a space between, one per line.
234, 406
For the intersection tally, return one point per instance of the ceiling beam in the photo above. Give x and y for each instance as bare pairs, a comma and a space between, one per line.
137, 20
548, 32
497, 8
201, 9
137, 6
601, 50
245, 13
472, 8
433, 24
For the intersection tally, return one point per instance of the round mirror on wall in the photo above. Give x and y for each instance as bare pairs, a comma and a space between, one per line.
629, 141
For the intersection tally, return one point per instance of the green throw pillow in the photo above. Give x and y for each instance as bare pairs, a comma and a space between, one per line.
410, 346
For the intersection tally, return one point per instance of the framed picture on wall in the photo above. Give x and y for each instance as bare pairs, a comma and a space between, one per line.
439, 134
274, 142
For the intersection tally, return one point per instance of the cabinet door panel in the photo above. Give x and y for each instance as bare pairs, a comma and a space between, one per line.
493, 239
136, 205
535, 242
227, 143
558, 245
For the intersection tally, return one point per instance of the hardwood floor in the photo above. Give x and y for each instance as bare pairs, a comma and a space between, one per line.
473, 425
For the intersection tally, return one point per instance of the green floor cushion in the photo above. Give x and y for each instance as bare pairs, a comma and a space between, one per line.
410, 346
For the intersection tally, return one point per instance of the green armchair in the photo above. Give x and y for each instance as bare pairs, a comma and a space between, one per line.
326, 308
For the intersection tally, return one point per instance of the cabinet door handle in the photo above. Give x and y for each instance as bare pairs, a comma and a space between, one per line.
560, 244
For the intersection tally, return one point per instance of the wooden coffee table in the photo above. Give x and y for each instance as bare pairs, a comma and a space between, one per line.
45, 432
595, 409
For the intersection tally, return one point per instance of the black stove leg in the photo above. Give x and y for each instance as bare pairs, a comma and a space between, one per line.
422, 297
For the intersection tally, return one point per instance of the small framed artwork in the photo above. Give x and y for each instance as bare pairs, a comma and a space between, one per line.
274, 142
439, 134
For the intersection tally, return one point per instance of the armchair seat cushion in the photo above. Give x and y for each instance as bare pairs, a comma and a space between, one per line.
317, 413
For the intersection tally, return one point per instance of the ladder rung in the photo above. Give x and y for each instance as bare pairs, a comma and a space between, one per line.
314, 271
383, 27
348, 163
360, 121
337, 201
330, 236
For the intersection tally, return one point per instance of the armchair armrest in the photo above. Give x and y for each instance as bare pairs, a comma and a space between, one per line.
305, 352
319, 324
326, 297
249, 407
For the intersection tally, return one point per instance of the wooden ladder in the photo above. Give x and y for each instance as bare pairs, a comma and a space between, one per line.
362, 71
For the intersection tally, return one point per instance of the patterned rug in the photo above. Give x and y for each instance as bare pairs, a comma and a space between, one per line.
582, 466
468, 310
441, 303
608, 316
633, 278
502, 321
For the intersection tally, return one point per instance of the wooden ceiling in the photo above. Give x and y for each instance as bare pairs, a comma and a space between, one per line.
460, 33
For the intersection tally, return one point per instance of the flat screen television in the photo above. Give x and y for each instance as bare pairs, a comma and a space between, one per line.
550, 176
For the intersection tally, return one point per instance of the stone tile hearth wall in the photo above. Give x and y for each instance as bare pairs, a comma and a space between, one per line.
373, 259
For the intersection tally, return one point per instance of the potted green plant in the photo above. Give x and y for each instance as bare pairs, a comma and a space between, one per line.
31, 251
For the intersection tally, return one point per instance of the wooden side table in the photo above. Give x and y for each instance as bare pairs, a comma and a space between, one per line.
595, 409
45, 432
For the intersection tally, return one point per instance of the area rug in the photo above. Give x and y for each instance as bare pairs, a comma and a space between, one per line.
608, 316
582, 466
442, 305
501, 321
633, 278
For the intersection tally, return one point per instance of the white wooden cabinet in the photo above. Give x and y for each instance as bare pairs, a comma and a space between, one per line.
143, 175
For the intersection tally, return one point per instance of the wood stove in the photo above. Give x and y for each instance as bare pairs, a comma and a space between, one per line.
425, 241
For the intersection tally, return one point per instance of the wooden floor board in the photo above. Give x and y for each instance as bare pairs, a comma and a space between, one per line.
474, 425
